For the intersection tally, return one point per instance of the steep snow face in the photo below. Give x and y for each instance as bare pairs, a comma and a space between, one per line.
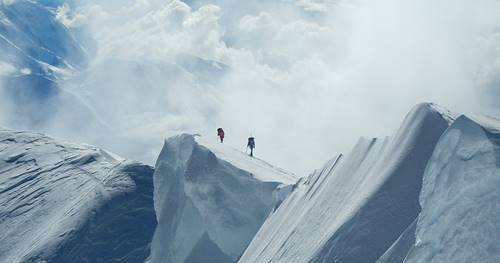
210, 200
460, 196
61, 202
357, 206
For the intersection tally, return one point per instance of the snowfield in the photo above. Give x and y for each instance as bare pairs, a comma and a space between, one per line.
209, 208
62, 202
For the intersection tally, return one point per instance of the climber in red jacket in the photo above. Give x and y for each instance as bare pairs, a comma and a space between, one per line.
220, 133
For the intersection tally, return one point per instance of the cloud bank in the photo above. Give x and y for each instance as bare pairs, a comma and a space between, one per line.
307, 78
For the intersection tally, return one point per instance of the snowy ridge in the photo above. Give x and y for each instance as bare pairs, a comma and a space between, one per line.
208, 208
62, 201
447, 115
356, 205
262, 170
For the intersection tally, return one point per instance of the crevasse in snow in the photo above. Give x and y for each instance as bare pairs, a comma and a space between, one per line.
62, 202
210, 200
358, 205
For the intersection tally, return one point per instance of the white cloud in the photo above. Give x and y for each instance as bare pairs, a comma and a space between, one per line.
68, 18
8, 2
262, 22
159, 32
307, 87
314, 5
25, 71
7, 69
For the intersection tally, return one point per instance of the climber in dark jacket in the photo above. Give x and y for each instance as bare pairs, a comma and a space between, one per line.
251, 145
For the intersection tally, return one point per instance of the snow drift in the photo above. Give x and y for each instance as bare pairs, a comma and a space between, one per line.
358, 205
210, 200
62, 202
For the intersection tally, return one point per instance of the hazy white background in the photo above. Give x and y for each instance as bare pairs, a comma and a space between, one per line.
307, 78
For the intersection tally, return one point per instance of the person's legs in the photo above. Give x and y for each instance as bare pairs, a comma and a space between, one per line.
251, 151
221, 139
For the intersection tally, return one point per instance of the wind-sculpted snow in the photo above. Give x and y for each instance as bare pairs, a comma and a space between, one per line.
460, 196
209, 208
358, 205
62, 202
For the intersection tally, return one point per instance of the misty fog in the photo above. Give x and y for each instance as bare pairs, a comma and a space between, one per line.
306, 78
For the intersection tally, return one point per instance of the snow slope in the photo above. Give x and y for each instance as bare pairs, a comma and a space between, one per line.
358, 205
260, 169
460, 196
210, 200
62, 202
